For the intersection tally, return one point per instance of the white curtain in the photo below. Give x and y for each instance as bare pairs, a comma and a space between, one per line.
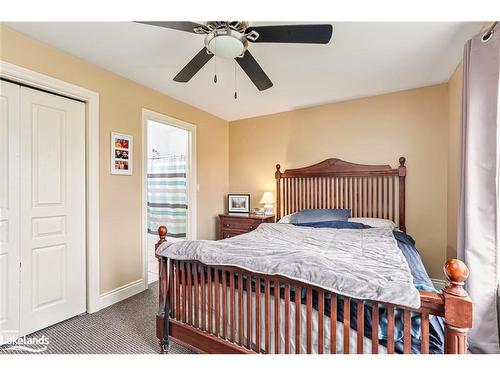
478, 231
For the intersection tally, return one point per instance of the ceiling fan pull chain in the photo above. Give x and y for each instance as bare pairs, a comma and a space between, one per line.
215, 62
235, 82
215, 73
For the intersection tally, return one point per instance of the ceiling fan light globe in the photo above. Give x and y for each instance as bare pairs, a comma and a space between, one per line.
226, 46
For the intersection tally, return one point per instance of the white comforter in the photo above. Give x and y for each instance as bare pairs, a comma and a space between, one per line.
358, 263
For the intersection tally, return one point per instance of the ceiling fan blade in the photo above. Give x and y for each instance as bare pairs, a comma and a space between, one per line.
193, 66
254, 71
182, 25
317, 34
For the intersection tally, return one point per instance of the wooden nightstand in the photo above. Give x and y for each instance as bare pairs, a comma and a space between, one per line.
231, 225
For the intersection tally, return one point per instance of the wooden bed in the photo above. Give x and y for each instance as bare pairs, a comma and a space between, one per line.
224, 320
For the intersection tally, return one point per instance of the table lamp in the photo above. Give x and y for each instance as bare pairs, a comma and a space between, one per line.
268, 202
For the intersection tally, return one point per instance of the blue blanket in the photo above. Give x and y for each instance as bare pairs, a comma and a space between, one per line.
421, 280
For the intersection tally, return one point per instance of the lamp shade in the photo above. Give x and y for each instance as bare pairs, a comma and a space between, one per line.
267, 198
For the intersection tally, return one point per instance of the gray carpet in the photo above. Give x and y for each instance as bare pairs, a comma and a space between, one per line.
127, 327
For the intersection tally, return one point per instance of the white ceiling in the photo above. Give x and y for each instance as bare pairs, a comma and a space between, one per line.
362, 59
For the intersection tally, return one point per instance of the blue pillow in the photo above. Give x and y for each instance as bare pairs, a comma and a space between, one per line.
334, 224
317, 215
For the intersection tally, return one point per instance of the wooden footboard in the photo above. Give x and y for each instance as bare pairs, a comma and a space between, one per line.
230, 310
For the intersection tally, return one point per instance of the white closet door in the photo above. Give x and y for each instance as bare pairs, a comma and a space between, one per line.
9, 211
52, 209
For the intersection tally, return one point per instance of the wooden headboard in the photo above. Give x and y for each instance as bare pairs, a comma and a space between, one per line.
376, 191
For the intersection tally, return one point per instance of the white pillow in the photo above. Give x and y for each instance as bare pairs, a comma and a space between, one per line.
373, 222
285, 219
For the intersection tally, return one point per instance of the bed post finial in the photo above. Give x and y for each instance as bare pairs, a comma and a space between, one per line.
457, 307
456, 273
162, 233
402, 177
277, 176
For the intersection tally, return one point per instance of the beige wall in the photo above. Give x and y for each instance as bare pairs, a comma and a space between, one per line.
454, 118
121, 102
379, 129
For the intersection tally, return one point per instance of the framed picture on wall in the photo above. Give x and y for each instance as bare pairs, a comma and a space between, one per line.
122, 147
238, 203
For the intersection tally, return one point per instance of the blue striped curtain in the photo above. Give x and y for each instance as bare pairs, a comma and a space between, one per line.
167, 195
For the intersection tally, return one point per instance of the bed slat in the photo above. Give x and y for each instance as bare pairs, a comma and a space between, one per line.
277, 316
393, 205
249, 312
384, 193
374, 328
424, 349
390, 329
298, 294
209, 297
361, 325
347, 323
364, 196
171, 289
287, 318
240, 309
296, 195
309, 321
189, 295
267, 314
224, 304
288, 211
184, 299
177, 291
407, 331
203, 298
343, 189
303, 194
257, 314
321, 312
217, 301
232, 306
333, 323
357, 193
372, 198
317, 192
359, 184
196, 296
324, 192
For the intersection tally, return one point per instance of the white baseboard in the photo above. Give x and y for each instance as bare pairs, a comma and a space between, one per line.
438, 283
121, 293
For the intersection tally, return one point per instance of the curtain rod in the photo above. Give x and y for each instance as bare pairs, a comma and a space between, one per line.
166, 156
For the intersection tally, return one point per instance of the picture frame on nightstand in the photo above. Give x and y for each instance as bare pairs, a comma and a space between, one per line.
238, 203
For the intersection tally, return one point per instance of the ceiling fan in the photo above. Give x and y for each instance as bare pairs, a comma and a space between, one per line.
229, 39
